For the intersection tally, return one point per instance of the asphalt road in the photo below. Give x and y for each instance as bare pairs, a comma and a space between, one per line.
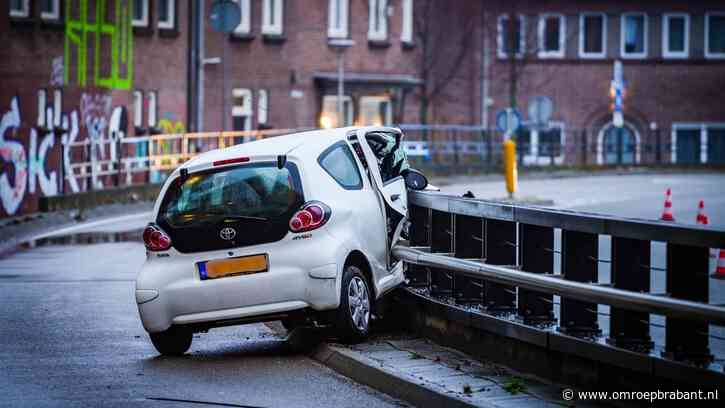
71, 336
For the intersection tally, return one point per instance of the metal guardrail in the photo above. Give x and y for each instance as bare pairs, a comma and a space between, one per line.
476, 251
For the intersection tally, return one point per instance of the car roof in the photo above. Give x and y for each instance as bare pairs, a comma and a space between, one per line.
305, 144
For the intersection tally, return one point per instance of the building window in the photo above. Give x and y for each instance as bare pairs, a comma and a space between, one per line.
262, 107
245, 21
151, 96
337, 21
272, 16
592, 35
50, 9
42, 101
241, 109
328, 117
375, 111
137, 109
552, 29
633, 35
676, 35
542, 146
715, 35
19, 8
406, 33
140, 13
378, 21
167, 14
510, 38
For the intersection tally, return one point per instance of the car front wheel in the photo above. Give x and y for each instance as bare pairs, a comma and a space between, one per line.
172, 342
353, 318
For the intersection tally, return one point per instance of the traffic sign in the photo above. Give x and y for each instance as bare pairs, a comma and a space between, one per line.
540, 110
508, 120
225, 16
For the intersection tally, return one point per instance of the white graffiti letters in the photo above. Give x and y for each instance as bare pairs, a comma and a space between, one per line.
12, 152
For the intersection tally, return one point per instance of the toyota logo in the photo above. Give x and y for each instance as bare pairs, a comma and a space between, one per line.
228, 233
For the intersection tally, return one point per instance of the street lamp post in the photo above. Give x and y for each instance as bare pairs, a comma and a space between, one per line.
340, 45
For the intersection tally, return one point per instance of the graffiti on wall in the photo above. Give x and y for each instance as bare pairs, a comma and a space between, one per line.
56, 73
110, 44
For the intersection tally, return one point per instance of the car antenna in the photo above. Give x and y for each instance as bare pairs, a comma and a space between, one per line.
281, 161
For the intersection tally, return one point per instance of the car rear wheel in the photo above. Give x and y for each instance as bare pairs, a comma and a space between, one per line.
353, 315
172, 342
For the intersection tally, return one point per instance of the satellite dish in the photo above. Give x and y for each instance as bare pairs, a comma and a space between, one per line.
225, 16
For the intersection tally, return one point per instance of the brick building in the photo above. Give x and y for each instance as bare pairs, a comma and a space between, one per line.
78, 76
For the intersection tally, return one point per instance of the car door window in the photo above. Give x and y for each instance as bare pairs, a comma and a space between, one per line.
339, 163
390, 155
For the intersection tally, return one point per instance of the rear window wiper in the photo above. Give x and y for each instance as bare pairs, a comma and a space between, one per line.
244, 217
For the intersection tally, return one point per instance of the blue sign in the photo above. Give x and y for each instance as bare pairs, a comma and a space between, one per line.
225, 16
508, 120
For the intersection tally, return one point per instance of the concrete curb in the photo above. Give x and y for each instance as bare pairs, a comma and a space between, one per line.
366, 372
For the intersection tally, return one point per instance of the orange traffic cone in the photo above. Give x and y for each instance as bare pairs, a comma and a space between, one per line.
667, 212
701, 217
720, 268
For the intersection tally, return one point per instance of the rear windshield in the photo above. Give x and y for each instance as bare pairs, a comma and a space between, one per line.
255, 197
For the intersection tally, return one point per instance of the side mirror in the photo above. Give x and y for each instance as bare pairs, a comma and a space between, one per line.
414, 179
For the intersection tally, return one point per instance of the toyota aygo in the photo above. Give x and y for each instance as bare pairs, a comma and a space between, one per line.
296, 228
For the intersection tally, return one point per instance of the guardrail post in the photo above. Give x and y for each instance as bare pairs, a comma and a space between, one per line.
468, 245
579, 263
537, 256
500, 244
687, 278
441, 236
630, 271
419, 226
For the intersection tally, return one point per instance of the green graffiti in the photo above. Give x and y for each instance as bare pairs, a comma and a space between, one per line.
82, 35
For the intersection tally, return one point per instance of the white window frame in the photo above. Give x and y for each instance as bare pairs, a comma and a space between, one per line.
346, 101
137, 109
21, 13
623, 36
268, 14
666, 52
532, 157
406, 31
42, 102
54, 14
245, 23
169, 24
592, 55
144, 20
332, 10
708, 54
153, 107
522, 36
262, 106
387, 120
245, 109
543, 53
378, 8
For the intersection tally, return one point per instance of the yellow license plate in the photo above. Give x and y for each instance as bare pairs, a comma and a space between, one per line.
245, 265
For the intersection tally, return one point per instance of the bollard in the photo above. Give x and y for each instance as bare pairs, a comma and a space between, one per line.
537, 256
468, 245
441, 237
630, 271
500, 244
509, 164
579, 251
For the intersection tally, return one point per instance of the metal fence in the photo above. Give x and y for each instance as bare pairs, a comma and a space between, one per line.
499, 258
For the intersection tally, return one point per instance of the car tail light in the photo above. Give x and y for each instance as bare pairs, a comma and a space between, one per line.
311, 216
155, 239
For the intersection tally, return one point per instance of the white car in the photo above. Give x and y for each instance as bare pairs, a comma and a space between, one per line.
295, 228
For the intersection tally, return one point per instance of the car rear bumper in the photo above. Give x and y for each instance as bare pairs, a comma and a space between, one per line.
169, 290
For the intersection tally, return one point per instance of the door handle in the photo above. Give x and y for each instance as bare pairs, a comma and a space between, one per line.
395, 197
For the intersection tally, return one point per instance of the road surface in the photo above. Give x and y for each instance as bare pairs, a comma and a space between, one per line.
71, 336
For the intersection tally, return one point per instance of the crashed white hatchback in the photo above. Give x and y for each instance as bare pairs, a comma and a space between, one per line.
295, 228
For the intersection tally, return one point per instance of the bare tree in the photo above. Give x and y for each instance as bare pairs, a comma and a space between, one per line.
444, 34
